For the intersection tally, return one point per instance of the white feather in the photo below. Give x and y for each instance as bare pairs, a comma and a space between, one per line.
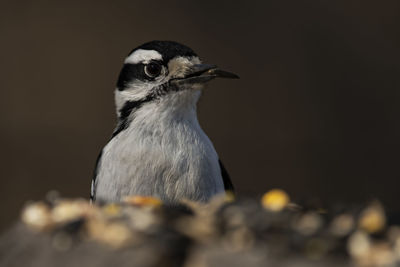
163, 153
142, 55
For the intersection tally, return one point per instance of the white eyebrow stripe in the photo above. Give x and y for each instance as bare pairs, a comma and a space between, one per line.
142, 55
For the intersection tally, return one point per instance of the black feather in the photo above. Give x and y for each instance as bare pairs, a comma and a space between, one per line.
168, 49
226, 178
125, 111
96, 170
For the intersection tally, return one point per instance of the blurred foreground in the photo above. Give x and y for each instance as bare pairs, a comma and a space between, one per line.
226, 232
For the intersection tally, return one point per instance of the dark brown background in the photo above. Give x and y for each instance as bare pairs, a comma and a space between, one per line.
316, 111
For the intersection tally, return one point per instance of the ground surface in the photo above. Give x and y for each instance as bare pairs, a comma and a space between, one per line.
143, 232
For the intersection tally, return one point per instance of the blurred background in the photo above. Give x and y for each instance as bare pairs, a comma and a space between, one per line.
315, 112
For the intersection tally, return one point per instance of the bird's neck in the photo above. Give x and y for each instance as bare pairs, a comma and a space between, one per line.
177, 107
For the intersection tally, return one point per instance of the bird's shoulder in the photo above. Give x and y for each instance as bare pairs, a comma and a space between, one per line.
228, 185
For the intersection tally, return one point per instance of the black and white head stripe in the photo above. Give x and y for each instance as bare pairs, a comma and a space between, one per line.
155, 52
143, 56
167, 49
146, 75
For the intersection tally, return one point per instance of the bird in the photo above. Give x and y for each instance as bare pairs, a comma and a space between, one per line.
158, 148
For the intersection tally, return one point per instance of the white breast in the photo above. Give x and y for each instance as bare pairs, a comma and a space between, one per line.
163, 153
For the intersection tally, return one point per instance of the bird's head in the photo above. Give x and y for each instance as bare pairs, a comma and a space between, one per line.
159, 69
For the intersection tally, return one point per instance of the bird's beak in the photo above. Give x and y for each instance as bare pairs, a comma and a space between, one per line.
201, 73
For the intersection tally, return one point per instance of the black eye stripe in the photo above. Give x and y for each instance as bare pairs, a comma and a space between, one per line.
128, 73
167, 49
131, 72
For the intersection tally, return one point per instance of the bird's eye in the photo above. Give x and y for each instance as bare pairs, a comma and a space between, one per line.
153, 69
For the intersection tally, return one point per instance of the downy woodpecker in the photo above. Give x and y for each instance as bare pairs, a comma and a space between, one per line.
158, 147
